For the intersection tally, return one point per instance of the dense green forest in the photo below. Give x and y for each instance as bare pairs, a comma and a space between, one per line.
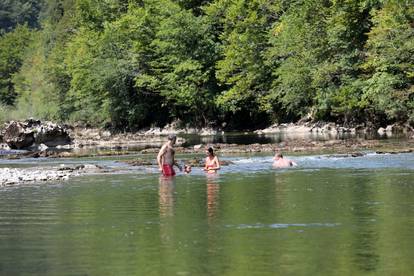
129, 64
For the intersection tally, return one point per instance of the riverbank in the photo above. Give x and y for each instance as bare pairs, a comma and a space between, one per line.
85, 137
291, 146
67, 137
12, 176
144, 145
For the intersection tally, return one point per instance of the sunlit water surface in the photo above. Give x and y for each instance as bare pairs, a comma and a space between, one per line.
328, 216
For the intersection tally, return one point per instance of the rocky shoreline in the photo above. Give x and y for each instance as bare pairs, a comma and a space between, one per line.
11, 176
39, 136
348, 146
287, 146
332, 128
49, 140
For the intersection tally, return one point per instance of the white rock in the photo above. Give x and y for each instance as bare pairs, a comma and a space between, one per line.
381, 131
42, 147
197, 147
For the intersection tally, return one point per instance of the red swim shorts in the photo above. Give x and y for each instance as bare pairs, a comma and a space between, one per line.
167, 170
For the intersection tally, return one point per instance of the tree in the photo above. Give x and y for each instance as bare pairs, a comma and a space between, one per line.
337, 79
37, 96
245, 78
12, 49
389, 64
183, 64
19, 12
298, 46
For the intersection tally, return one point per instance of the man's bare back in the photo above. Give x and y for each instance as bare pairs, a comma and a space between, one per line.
280, 162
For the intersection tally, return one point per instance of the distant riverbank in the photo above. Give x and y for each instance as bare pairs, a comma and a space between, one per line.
307, 137
142, 147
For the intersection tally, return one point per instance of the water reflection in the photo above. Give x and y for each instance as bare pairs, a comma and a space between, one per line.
365, 244
166, 192
166, 196
213, 189
294, 222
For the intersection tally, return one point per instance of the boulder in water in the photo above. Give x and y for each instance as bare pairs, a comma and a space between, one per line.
51, 135
18, 135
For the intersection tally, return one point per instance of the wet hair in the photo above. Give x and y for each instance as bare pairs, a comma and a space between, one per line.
172, 137
279, 155
210, 150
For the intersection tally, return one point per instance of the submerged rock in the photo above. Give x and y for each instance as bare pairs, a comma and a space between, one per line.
14, 176
9, 176
394, 151
139, 162
346, 155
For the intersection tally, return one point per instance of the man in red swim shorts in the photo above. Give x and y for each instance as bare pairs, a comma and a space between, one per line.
166, 159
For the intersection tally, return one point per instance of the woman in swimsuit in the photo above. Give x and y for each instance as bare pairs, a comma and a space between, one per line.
212, 162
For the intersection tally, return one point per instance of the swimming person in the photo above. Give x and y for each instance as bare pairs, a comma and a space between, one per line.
212, 162
165, 157
281, 162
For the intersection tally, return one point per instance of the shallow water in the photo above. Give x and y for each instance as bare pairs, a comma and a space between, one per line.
328, 216
245, 138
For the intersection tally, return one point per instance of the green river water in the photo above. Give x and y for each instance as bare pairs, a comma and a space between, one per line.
328, 216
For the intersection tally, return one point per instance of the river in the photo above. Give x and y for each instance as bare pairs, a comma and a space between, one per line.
329, 216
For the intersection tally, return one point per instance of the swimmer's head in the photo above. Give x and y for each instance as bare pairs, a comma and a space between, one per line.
187, 168
172, 138
210, 151
279, 155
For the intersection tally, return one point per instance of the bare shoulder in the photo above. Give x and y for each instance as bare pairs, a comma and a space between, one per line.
163, 148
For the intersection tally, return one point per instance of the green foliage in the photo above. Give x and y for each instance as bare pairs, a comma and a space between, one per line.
131, 64
19, 12
103, 67
339, 89
37, 95
390, 59
95, 14
12, 50
241, 70
299, 45
317, 51
183, 64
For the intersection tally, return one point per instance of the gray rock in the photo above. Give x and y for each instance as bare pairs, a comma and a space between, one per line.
14, 176
17, 136
51, 135
20, 135
398, 128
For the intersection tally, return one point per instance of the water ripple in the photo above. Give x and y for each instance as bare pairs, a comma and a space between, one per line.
281, 225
